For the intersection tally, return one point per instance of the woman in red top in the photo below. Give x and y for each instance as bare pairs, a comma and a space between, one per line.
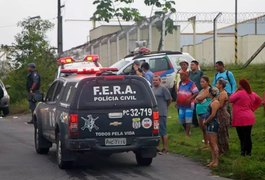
244, 103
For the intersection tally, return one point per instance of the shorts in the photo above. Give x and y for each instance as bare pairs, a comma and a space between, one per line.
202, 117
163, 125
212, 127
185, 115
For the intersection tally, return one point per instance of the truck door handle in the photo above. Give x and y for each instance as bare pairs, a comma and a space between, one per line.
115, 115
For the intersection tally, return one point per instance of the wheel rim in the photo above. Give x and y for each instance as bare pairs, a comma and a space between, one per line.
59, 151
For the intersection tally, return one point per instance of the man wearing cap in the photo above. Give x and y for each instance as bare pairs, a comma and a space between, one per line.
184, 64
32, 86
136, 70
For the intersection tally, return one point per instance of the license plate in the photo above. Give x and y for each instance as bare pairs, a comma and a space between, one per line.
115, 141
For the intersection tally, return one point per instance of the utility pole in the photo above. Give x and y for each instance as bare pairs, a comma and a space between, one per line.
215, 36
60, 29
236, 40
193, 21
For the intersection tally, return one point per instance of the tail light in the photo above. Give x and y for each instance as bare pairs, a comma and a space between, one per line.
73, 125
114, 78
155, 123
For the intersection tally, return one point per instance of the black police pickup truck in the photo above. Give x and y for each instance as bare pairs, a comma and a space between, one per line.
97, 112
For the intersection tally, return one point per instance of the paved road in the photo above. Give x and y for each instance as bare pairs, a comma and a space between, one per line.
18, 160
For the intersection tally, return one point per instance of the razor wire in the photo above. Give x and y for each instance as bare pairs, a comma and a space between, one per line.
226, 18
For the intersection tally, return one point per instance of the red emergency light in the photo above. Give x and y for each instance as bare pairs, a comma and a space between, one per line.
94, 70
65, 60
91, 58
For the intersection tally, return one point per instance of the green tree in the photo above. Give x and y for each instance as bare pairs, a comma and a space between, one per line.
108, 9
31, 45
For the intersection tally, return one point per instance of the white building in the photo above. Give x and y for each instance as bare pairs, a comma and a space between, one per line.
111, 43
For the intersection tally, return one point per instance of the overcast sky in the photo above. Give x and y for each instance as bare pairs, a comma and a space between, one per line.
76, 32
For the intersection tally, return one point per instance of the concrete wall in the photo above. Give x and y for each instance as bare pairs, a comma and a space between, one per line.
247, 45
104, 30
250, 44
171, 43
99, 43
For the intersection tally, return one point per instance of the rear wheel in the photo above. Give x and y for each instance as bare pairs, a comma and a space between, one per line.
60, 152
40, 142
143, 161
5, 111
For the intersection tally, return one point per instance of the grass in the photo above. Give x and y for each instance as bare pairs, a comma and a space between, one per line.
19, 107
232, 165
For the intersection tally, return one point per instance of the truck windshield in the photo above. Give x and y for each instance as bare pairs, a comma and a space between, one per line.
120, 64
119, 94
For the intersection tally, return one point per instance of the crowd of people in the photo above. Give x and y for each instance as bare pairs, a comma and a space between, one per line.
198, 102
214, 107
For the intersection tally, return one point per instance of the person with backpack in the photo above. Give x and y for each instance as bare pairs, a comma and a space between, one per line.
222, 73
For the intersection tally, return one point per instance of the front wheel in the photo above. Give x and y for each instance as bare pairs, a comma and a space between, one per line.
40, 142
143, 161
60, 152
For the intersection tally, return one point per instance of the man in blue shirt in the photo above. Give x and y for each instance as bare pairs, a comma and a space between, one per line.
147, 73
226, 75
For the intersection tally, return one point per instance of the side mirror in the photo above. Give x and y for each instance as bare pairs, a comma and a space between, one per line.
43, 97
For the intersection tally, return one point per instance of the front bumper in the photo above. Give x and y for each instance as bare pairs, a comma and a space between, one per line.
4, 102
136, 144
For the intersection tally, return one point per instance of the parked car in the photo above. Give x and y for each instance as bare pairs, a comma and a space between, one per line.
4, 101
164, 63
97, 111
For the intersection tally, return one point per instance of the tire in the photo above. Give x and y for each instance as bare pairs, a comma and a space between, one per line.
60, 154
143, 161
5, 111
40, 142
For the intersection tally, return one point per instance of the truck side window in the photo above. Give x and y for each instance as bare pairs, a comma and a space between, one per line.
68, 93
158, 64
49, 96
58, 90
128, 69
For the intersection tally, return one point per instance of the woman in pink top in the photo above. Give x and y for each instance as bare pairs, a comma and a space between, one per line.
244, 103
